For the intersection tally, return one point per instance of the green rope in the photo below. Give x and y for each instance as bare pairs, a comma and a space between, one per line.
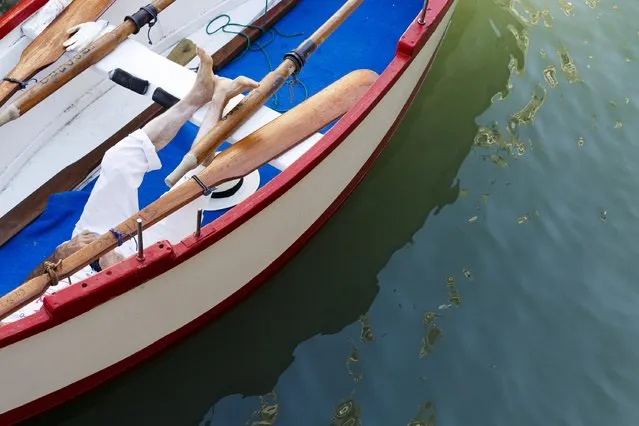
259, 47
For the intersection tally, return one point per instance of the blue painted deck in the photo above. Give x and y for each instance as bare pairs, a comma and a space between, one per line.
366, 40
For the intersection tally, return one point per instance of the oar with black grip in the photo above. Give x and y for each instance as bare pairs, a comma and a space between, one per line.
271, 83
88, 56
141, 87
242, 158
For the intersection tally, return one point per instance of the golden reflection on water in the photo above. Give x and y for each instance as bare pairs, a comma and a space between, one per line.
347, 413
592, 3
366, 335
527, 114
568, 65
425, 417
567, 7
266, 414
550, 75
353, 359
432, 333
523, 219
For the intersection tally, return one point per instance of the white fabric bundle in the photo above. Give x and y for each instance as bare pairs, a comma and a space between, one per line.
38, 22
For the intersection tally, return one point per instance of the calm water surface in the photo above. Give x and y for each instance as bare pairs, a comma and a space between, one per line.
483, 274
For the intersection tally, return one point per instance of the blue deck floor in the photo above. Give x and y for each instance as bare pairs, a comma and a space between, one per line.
366, 40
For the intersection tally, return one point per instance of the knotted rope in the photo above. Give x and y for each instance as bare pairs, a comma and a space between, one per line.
50, 269
260, 47
23, 84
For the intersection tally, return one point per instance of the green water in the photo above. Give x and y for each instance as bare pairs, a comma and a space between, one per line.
482, 274
5, 5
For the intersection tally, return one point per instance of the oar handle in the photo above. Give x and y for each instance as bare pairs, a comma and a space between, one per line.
272, 82
160, 5
335, 21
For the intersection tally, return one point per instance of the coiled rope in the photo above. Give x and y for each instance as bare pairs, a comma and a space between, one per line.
260, 47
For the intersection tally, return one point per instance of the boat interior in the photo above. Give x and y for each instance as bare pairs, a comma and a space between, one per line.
367, 40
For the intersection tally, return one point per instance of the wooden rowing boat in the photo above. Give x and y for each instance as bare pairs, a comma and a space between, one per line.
133, 305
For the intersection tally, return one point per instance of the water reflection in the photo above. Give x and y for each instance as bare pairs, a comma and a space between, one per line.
346, 414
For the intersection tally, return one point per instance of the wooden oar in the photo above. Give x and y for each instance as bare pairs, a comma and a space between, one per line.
83, 60
239, 160
293, 63
47, 48
74, 174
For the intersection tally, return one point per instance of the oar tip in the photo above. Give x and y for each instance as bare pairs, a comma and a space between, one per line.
9, 114
189, 162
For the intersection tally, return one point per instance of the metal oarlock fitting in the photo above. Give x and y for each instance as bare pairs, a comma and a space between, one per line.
140, 241
198, 227
422, 16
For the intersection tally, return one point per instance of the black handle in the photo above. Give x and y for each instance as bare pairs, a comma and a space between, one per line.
164, 98
129, 81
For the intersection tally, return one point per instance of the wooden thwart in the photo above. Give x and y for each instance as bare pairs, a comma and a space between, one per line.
250, 153
74, 174
47, 48
272, 82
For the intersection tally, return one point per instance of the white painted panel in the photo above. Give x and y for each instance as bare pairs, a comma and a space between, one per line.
87, 111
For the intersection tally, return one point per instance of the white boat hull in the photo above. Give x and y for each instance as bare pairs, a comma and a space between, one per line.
115, 321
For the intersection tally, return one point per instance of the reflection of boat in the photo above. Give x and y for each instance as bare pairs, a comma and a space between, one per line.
125, 314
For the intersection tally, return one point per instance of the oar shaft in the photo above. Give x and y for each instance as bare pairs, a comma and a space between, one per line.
271, 83
250, 153
79, 63
73, 67
238, 115
335, 21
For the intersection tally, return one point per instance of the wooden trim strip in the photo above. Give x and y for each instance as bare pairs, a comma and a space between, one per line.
71, 176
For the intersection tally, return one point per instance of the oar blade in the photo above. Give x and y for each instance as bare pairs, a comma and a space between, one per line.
294, 126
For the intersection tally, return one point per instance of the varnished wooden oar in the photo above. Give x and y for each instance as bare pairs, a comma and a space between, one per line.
293, 62
74, 174
47, 48
83, 60
239, 160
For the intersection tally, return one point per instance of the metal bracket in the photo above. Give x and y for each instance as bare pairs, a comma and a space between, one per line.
422, 16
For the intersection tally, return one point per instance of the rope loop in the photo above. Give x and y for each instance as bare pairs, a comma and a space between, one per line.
154, 20
259, 47
50, 269
118, 236
23, 84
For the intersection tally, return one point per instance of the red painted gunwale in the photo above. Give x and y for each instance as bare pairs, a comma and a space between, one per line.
81, 297
18, 14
